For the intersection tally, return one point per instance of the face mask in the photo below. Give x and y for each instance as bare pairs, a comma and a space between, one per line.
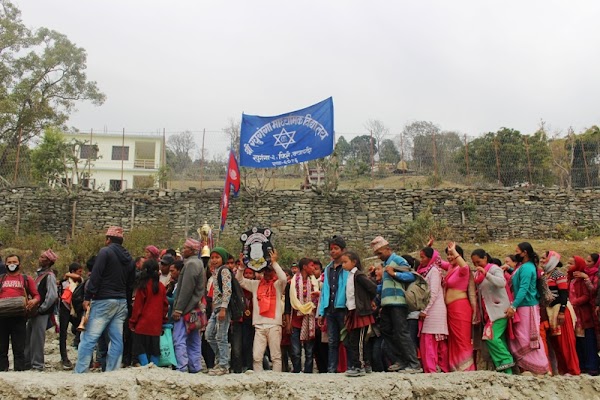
519, 258
12, 267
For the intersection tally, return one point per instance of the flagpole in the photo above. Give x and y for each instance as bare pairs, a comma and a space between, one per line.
202, 160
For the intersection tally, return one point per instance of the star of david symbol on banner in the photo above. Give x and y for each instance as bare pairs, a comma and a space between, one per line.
284, 138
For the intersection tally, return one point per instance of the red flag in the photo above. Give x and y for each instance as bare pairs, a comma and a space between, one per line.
232, 179
233, 174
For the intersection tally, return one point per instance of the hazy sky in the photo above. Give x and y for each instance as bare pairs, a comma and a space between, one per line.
470, 66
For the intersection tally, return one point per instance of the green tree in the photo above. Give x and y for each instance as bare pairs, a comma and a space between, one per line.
342, 149
388, 152
57, 162
361, 148
42, 76
512, 166
586, 158
436, 147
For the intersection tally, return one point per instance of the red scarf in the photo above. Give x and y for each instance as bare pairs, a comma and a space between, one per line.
266, 296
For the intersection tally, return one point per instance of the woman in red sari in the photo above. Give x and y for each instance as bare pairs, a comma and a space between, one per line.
461, 304
580, 297
560, 316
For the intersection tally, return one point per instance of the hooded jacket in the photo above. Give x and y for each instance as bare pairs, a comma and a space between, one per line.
113, 274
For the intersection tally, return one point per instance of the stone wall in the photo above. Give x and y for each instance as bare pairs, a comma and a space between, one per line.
304, 219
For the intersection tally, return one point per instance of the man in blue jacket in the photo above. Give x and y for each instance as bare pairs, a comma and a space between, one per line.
107, 293
332, 302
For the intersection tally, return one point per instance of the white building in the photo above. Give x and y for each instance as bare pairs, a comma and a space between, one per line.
120, 161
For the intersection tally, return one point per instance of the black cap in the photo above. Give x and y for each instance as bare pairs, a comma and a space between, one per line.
167, 259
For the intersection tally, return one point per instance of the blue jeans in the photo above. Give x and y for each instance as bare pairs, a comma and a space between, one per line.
335, 324
107, 314
297, 346
216, 336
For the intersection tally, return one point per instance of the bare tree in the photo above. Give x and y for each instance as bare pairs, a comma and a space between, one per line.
180, 149
378, 129
232, 130
182, 144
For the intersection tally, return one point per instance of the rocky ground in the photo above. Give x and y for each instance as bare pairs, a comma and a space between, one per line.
154, 383
161, 383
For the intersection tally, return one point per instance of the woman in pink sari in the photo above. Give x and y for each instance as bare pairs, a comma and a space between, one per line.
526, 346
434, 326
460, 303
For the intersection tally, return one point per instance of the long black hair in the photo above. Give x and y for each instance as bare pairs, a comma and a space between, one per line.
459, 250
149, 272
354, 257
528, 248
428, 251
481, 253
413, 262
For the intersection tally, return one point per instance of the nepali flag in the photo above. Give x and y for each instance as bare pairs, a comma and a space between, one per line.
232, 179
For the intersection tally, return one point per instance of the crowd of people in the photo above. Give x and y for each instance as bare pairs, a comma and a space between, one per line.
526, 314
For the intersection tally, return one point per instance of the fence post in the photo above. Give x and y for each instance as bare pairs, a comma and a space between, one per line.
435, 166
528, 159
132, 212
17, 157
467, 158
372, 162
202, 160
73, 218
587, 172
497, 160
18, 216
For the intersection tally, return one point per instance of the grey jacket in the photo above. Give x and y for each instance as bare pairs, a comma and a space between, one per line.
493, 292
191, 285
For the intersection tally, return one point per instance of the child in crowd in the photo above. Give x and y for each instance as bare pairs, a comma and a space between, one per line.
360, 292
149, 313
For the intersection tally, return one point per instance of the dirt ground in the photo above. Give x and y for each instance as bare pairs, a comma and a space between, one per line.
154, 383
162, 383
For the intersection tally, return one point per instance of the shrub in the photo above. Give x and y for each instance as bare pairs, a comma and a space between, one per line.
416, 233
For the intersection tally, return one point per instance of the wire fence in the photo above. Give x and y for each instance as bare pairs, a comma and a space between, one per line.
504, 158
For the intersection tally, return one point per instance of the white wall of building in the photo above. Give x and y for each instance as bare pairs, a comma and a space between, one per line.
139, 161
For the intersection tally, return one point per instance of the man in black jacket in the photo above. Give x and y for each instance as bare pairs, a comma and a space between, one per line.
109, 289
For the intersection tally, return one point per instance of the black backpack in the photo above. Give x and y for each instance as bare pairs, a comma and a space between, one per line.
78, 298
236, 303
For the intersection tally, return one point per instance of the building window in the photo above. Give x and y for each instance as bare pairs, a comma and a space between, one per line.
89, 183
117, 185
88, 152
120, 153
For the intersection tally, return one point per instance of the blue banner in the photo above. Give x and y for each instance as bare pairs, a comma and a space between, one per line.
292, 138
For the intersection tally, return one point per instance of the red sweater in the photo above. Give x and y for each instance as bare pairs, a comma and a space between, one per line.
149, 311
13, 287
579, 296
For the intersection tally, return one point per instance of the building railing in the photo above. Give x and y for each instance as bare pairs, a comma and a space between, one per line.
144, 163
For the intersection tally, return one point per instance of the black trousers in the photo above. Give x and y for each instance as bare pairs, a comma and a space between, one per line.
321, 352
362, 353
64, 319
394, 328
242, 339
13, 329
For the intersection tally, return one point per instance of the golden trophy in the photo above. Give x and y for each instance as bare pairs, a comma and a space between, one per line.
205, 233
